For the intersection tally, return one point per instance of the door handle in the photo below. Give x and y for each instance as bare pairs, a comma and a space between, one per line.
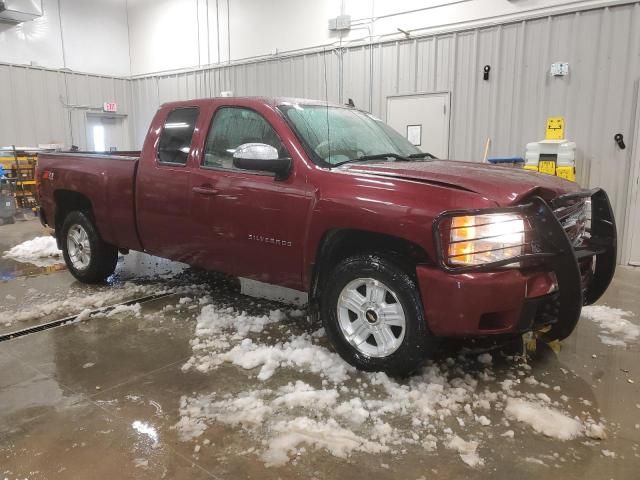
205, 190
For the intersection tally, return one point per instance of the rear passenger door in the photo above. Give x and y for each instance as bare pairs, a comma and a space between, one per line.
163, 193
248, 223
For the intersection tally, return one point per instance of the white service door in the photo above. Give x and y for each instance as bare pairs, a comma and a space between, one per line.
634, 217
423, 119
106, 133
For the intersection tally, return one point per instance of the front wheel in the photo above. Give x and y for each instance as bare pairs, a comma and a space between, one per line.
88, 257
373, 315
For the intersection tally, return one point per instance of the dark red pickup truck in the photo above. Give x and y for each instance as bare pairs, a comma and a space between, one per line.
394, 247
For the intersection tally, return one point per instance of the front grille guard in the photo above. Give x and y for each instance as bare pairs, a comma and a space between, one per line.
555, 250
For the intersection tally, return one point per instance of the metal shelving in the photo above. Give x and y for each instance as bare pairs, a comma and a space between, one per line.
19, 164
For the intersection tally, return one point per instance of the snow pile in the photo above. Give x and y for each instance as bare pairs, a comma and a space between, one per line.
251, 410
467, 450
302, 394
545, 420
247, 409
41, 251
77, 302
217, 328
485, 358
82, 300
615, 329
298, 353
141, 463
448, 404
221, 336
328, 435
214, 321
133, 310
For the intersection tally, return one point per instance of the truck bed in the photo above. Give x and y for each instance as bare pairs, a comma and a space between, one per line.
106, 180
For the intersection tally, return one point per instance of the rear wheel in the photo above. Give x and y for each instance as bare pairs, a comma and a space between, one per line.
87, 256
373, 315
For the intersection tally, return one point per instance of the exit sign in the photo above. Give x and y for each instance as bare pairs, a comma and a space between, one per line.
110, 107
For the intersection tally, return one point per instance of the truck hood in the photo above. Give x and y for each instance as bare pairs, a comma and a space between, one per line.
504, 185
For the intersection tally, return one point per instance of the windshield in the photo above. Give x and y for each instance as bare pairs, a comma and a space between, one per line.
333, 135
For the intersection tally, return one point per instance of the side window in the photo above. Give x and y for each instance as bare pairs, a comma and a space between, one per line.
175, 139
232, 127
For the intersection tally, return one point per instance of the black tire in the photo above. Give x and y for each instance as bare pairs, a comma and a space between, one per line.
557, 333
418, 343
8, 221
103, 257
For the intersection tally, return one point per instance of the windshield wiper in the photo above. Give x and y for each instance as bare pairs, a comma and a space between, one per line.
377, 156
423, 155
384, 155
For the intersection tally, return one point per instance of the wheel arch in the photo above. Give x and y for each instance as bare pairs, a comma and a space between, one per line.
68, 201
338, 244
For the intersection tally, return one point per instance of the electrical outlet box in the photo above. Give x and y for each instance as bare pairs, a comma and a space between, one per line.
340, 23
343, 22
559, 69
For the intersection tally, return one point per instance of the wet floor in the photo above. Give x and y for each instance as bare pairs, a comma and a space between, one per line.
32, 294
188, 386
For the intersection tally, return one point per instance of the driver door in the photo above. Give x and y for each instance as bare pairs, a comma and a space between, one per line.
247, 223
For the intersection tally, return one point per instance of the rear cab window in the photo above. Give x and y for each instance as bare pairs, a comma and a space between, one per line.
177, 132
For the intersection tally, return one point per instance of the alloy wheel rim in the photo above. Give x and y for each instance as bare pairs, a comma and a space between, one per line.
79, 247
371, 317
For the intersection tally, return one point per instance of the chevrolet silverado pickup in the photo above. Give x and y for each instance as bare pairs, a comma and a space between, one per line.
395, 248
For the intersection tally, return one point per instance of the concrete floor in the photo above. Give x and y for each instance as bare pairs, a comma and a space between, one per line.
105, 398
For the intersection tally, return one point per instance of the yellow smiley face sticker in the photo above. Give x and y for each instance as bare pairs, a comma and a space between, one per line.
555, 128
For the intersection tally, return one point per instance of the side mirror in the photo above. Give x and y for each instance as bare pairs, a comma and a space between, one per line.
261, 157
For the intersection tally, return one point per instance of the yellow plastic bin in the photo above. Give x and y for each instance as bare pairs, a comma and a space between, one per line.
553, 157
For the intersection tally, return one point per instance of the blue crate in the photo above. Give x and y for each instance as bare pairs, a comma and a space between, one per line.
515, 161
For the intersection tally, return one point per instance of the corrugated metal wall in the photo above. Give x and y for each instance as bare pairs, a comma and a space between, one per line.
46, 106
597, 98
300, 76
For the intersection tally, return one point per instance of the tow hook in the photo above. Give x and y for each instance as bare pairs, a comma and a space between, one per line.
530, 340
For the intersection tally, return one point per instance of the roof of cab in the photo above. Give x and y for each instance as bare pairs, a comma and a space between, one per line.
273, 101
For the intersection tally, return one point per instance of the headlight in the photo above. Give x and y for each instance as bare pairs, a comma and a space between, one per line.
480, 239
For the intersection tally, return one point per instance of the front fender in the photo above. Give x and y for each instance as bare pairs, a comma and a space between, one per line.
388, 206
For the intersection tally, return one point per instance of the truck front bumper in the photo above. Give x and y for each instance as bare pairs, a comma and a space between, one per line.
487, 300
482, 303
